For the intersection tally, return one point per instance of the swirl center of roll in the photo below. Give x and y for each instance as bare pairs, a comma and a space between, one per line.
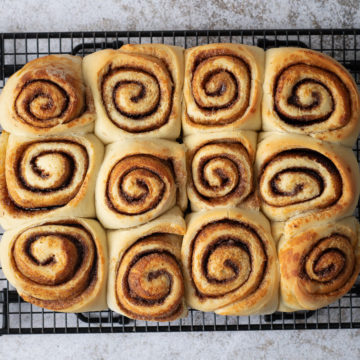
137, 184
149, 279
328, 265
44, 103
229, 261
221, 171
47, 173
222, 176
54, 258
297, 182
54, 262
313, 180
149, 282
304, 96
137, 98
223, 260
220, 88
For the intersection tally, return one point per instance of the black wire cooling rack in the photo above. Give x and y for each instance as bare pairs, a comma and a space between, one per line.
19, 317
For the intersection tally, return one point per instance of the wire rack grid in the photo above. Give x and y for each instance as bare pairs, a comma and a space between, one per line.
19, 317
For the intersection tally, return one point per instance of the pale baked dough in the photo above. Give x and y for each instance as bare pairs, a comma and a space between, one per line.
145, 276
59, 264
220, 170
137, 91
303, 180
230, 262
308, 92
318, 264
43, 178
139, 180
222, 88
47, 97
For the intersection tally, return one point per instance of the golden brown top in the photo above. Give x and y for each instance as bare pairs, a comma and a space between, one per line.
137, 92
50, 91
149, 282
55, 264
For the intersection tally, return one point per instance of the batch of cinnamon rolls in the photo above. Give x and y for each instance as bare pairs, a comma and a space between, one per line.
100, 156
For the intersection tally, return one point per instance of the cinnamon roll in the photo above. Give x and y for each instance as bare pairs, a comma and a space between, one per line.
220, 168
137, 91
145, 276
41, 178
59, 264
319, 264
302, 179
139, 180
222, 88
307, 92
47, 97
230, 262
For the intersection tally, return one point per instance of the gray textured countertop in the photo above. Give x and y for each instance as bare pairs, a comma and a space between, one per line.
174, 14
36, 15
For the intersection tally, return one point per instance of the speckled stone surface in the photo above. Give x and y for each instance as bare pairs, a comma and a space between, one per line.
36, 15
90, 15
254, 345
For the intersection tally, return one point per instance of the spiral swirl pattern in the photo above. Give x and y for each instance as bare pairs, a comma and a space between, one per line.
328, 265
149, 282
139, 181
45, 174
220, 86
310, 93
47, 96
221, 173
307, 96
42, 103
137, 92
54, 264
138, 184
301, 178
227, 257
318, 269
230, 263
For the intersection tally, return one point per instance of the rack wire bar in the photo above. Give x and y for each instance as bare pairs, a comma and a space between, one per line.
19, 317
